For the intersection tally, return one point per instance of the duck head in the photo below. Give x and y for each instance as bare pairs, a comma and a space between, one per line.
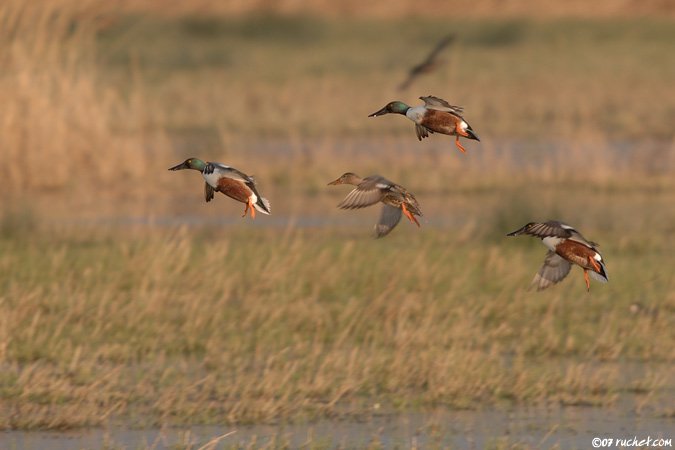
190, 163
347, 178
396, 107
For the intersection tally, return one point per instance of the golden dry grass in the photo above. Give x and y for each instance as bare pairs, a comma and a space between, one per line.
56, 114
105, 100
183, 327
160, 325
383, 9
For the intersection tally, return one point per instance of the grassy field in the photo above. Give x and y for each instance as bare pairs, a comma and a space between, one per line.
153, 323
187, 326
101, 99
518, 78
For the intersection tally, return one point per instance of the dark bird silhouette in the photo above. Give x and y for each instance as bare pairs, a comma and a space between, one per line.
431, 63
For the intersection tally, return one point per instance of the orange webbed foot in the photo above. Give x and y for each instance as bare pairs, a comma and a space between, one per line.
250, 206
410, 216
588, 282
459, 146
595, 264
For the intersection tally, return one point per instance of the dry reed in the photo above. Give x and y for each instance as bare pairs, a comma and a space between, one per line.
60, 126
177, 327
187, 326
105, 101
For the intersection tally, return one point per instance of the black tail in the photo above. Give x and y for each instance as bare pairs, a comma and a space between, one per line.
471, 134
263, 205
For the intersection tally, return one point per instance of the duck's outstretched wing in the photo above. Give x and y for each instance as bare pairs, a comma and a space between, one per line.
429, 64
369, 191
578, 237
232, 173
439, 104
389, 218
554, 270
208, 192
431, 58
360, 199
422, 131
542, 230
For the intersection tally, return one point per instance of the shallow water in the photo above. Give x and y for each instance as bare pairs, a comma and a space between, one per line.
560, 427
306, 204
567, 427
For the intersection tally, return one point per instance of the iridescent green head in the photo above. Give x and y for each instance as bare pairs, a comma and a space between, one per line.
190, 163
396, 107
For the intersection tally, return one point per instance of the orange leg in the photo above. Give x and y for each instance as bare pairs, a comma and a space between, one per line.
250, 206
408, 214
594, 263
459, 146
588, 282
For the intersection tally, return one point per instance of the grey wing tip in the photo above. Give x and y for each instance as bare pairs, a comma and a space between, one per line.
540, 284
382, 230
344, 205
389, 218
534, 287
602, 278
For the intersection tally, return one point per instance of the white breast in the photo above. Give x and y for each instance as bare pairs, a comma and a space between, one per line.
551, 242
211, 178
416, 113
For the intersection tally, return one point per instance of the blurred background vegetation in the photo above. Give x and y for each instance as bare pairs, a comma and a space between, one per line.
101, 94
122, 294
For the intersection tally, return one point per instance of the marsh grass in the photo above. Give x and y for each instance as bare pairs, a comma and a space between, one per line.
101, 96
184, 327
166, 325
519, 78
56, 113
